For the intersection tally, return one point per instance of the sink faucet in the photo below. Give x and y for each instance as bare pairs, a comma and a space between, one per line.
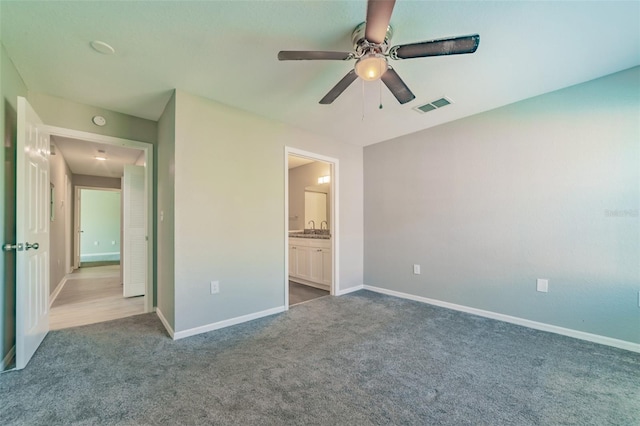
313, 224
326, 224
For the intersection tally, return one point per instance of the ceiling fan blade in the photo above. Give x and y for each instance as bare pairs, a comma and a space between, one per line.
443, 46
392, 80
297, 55
378, 17
339, 88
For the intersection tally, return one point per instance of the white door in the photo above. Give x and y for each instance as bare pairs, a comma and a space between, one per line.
134, 238
32, 231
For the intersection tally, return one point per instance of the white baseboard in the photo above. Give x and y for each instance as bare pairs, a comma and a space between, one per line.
164, 322
6, 361
595, 338
227, 323
57, 290
100, 257
349, 290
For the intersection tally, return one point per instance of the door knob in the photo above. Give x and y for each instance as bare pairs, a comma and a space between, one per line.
34, 246
9, 247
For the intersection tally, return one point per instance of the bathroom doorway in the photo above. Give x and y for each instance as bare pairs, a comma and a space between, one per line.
311, 228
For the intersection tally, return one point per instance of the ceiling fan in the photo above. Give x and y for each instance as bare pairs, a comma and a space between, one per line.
371, 51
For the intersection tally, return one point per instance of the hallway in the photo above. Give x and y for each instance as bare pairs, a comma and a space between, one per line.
92, 295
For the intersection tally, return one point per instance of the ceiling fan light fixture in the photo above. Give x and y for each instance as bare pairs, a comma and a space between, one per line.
371, 66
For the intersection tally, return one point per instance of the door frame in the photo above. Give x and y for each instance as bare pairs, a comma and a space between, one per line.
335, 208
147, 148
68, 224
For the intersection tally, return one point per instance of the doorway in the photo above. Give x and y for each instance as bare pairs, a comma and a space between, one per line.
311, 214
92, 292
98, 214
99, 178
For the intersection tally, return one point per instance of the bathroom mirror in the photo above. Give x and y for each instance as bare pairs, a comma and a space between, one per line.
316, 206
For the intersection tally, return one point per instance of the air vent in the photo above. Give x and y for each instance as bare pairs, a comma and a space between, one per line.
438, 103
426, 108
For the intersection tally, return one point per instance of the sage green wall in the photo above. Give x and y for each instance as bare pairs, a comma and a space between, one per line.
100, 225
166, 196
544, 188
11, 86
92, 182
229, 210
72, 115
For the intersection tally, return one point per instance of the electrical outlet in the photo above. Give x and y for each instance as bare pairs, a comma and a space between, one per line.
542, 285
416, 269
215, 287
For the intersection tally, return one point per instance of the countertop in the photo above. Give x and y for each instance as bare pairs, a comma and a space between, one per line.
309, 235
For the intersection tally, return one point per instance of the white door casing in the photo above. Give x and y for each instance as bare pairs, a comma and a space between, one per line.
68, 263
134, 239
330, 277
32, 230
148, 150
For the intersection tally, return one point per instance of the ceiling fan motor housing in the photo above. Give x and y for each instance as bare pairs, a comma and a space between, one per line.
362, 45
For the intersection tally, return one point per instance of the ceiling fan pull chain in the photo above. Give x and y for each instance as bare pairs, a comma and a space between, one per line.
380, 86
362, 83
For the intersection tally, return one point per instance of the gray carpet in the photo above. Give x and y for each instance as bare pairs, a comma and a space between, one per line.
359, 359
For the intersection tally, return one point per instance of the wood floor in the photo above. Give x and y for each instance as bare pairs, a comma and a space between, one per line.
299, 293
92, 295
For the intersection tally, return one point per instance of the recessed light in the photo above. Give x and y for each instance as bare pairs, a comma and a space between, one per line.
102, 155
102, 47
99, 120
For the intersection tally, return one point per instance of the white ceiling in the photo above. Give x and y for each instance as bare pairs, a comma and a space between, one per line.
226, 51
80, 157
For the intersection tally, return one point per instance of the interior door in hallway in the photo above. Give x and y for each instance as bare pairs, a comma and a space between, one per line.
32, 232
134, 261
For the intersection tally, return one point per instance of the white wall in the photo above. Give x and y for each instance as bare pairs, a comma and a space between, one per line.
59, 235
544, 188
229, 210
